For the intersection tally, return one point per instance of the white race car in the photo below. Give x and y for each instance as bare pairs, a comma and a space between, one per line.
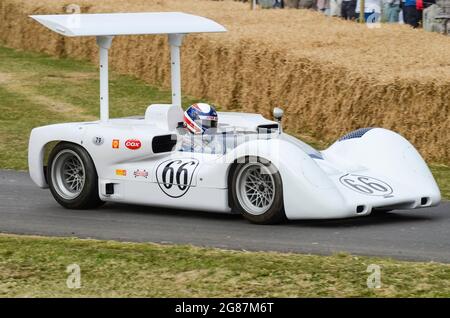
251, 167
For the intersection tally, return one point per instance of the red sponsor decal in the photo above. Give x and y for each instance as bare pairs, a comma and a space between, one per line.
133, 144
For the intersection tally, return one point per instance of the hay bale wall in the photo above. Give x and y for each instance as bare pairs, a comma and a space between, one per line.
330, 75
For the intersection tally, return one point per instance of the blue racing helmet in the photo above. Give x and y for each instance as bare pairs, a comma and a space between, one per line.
200, 117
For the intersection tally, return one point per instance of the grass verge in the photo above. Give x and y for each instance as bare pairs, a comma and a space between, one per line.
442, 175
37, 89
36, 267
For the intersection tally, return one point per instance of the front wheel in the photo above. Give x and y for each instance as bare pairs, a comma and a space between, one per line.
257, 192
72, 177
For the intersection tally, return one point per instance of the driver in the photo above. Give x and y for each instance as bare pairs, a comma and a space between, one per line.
199, 128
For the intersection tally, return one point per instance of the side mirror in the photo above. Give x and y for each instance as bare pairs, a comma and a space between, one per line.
278, 113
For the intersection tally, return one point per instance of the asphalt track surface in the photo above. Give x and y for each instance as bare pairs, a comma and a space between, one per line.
422, 235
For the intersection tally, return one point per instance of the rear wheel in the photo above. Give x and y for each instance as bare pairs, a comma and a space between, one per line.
72, 177
257, 192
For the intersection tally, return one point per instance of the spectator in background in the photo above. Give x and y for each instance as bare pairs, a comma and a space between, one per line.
279, 4
291, 4
372, 10
323, 6
421, 5
419, 8
391, 11
335, 8
299, 4
348, 9
402, 13
410, 13
306, 4
265, 4
429, 21
428, 3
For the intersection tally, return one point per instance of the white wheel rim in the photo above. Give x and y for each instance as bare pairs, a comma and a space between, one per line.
255, 188
68, 174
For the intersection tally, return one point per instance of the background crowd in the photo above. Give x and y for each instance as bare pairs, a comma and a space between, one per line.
390, 11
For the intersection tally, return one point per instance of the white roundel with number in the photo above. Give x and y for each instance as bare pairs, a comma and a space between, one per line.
174, 176
366, 185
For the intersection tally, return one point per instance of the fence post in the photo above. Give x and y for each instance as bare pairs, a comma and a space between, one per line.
362, 11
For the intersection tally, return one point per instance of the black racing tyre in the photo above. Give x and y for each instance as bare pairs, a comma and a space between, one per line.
72, 177
257, 191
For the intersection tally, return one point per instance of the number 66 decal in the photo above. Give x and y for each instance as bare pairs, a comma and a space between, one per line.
174, 176
366, 185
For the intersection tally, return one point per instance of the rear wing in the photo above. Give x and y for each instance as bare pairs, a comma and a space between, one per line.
107, 25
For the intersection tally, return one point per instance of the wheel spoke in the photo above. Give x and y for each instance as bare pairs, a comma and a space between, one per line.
256, 188
69, 177
251, 188
253, 179
260, 202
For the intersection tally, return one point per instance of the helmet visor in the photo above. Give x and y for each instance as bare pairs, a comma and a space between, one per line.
208, 124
